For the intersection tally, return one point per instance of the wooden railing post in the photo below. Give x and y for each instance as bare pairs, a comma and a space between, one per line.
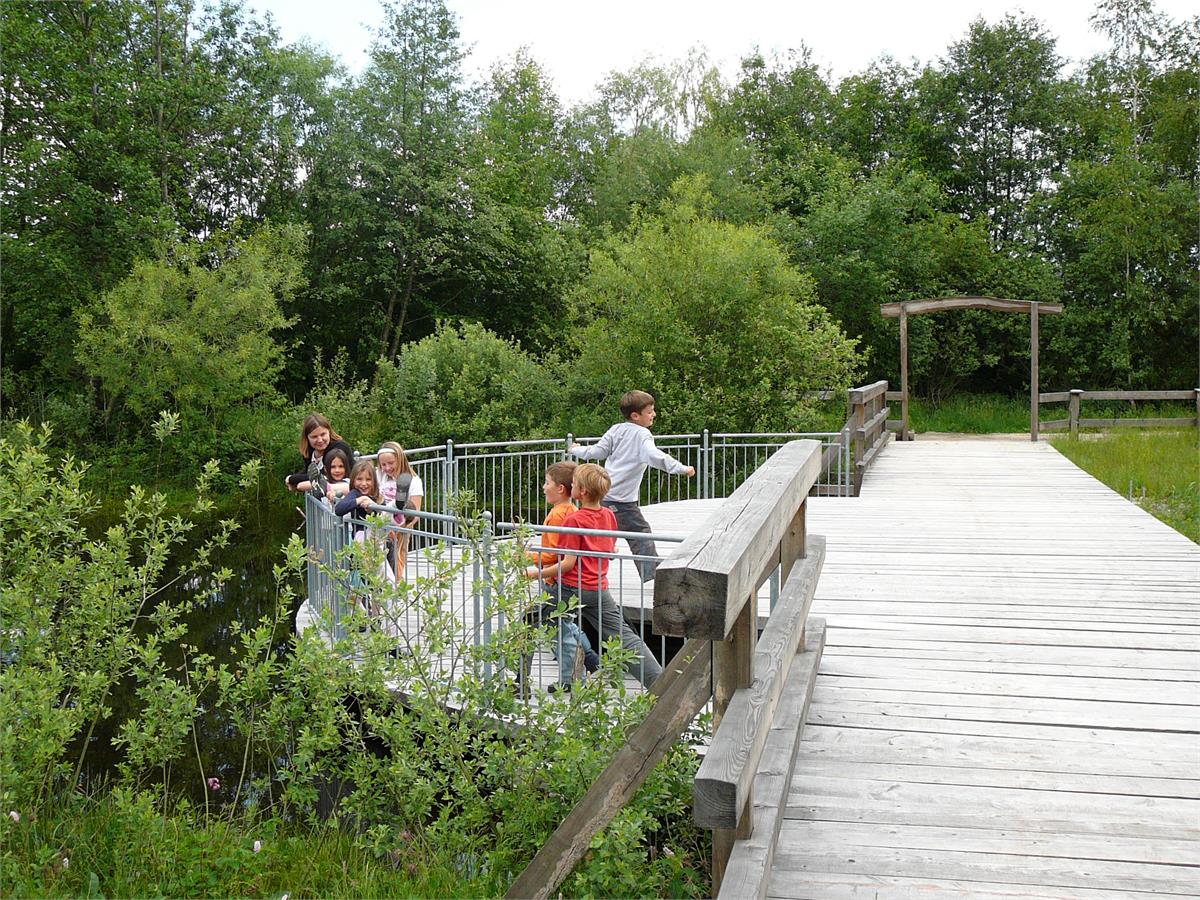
1073, 411
905, 434
1034, 401
1198, 407
858, 418
709, 589
733, 668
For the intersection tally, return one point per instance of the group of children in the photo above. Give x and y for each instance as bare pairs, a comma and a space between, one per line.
571, 567
352, 487
575, 571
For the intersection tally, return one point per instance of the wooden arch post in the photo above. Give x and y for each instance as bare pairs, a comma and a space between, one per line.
1031, 308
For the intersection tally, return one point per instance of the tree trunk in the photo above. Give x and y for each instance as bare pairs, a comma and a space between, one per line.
395, 346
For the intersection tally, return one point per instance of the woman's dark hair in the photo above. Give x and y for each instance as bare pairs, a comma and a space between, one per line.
311, 424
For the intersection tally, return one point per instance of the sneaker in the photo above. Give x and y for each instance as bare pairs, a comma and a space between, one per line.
591, 661
559, 688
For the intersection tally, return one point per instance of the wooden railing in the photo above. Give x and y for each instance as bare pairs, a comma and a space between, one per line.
707, 592
708, 589
1073, 398
868, 426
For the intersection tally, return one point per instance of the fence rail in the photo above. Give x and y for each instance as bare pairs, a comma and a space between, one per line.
1074, 397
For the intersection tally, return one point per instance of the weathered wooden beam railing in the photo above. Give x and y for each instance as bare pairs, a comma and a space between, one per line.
707, 592
708, 589
868, 426
682, 691
1073, 398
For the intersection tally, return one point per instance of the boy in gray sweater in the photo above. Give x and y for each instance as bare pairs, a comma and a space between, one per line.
628, 449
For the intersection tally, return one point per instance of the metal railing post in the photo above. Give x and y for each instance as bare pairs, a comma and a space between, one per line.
484, 587
448, 471
705, 463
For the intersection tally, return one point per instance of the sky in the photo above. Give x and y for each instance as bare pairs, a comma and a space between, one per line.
579, 43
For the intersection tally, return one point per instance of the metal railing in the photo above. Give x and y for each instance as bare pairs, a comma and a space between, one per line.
465, 595
505, 478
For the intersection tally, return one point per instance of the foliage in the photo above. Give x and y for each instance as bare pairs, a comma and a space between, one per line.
654, 300
458, 785
193, 333
466, 384
124, 121
82, 615
1155, 469
998, 167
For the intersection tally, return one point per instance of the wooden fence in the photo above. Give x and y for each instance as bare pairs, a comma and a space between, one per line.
868, 426
707, 592
1074, 397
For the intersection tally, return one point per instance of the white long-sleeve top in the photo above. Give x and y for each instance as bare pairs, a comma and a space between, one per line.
628, 450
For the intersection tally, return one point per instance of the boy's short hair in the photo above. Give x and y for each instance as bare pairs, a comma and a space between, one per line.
634, 402
562, 474
593, 480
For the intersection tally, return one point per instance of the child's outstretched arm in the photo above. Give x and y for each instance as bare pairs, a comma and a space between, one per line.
599, 450
665, 461
564, 565
347, 503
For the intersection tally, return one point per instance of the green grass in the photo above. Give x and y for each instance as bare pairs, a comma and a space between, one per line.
97, 849
102, 849
967, 414
997, 414
1161, 469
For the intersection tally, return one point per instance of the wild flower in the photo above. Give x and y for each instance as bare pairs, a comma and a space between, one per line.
257, 846
214, 784
14, 815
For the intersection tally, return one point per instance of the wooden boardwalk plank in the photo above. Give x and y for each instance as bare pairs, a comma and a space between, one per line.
1009, 700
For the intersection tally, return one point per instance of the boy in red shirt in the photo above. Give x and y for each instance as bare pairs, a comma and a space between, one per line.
584, 575
570, 638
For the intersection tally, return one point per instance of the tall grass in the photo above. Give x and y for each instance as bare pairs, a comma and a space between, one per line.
100, 848
997, 414
1159, 470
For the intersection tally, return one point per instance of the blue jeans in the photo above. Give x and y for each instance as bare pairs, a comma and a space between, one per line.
599, 608
570, 638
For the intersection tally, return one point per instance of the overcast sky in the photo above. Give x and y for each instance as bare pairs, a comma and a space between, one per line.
579, 43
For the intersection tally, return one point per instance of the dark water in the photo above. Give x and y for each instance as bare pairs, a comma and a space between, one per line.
213, 628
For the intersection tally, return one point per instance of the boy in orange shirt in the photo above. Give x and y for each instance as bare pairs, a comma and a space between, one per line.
559, 478
583, 574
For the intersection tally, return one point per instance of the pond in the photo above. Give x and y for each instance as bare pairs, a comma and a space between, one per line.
213, 627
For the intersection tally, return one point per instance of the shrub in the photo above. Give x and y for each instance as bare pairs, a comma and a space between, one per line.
707, 316
466, 383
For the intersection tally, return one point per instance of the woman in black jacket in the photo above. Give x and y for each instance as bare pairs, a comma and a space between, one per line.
317, 438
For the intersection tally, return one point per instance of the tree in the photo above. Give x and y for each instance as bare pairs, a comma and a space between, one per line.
194, 332
523, 250
394, 204
709, 317
995, 104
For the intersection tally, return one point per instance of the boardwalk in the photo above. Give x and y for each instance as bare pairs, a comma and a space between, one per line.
1009, 699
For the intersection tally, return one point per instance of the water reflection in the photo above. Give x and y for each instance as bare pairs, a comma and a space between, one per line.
214, 623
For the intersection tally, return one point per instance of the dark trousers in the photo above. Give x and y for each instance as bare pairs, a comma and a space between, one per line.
630, 518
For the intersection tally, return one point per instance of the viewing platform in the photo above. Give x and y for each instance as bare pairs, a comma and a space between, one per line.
997, 693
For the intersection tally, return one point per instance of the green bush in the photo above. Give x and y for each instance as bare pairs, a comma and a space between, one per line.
466, 383
193, 333
709, 317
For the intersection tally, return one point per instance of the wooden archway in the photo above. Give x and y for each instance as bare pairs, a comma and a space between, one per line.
1031, 308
